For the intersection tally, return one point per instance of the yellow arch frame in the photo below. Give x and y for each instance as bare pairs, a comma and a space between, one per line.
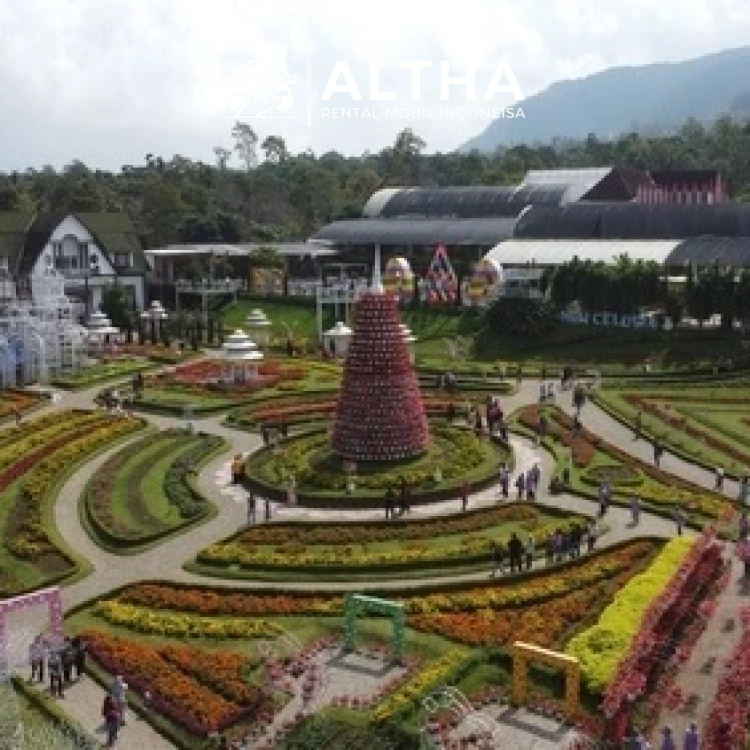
523, 653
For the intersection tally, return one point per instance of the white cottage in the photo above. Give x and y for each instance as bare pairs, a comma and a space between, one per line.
89, 250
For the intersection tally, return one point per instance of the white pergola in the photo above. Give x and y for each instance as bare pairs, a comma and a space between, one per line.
241, 358
39, 335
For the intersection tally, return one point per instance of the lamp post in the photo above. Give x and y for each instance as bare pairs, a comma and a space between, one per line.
156, 314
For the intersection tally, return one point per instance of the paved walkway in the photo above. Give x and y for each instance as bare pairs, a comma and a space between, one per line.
165, 561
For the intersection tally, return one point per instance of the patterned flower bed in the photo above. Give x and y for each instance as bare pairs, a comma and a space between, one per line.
588, 451
201, 691
80, 434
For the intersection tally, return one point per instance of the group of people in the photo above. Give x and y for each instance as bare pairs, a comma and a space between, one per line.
691, 741
400, 502
63, 662
527, 483
562, 544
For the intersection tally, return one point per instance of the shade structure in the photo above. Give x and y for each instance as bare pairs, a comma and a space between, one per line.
238, 347
99, 325
380, 414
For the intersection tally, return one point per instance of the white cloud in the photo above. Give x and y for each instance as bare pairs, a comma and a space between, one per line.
108, 81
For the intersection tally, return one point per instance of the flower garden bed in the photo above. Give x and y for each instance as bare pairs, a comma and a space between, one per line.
455, 456
198, 385
660, 491
147, 491
34, 459
16, 401
704, 426
433, 546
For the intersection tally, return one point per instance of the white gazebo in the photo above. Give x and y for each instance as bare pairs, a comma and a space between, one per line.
100, 331
241, 358
410, 340
337, 339
259, 325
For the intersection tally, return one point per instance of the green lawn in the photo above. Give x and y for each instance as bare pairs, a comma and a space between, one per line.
621, 351
101, 372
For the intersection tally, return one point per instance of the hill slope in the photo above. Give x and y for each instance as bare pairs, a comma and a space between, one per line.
649, 98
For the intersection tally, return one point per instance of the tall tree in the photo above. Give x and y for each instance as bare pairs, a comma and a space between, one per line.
246, 144
274, 149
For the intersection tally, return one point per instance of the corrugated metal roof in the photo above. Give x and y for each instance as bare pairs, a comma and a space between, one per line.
703, 251
556, 252
417, 231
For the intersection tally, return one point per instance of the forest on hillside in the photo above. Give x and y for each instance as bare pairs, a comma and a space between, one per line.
259, 192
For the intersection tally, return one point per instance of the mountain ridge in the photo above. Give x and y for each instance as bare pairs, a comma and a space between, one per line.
657, 97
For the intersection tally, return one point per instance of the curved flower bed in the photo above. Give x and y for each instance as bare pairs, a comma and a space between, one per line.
181, 625
12, 401
29, 538
601, 647
119, 498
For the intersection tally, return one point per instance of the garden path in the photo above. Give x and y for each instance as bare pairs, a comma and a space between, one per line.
700, 675
165, 561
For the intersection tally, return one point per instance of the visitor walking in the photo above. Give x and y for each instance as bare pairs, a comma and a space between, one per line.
464, 496
744, 525
667, 739
504, 481
498, 559
79, 656
36, 659
390, 503
405, 499
267, 509
680, 520
658, 451
529, 547
54, 667
719, 479
591, 536
743, 489
638, 425
575, 432
605, 494
531, 485
250, 509
515, 551
549, 550
635, 510
692, 738
521, 485
111, 714
743, 552
117, 692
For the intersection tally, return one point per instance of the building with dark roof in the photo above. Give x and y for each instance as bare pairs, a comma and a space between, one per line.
90, 250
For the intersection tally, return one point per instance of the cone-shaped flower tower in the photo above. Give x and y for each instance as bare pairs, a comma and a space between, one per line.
380, 414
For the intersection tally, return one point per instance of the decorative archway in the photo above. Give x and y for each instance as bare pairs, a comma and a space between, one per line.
356, 603
523, 653
50, 596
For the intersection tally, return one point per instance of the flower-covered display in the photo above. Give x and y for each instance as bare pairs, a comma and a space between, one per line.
380, 414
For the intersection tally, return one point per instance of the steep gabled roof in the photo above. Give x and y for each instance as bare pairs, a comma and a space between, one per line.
13, 227
112, 232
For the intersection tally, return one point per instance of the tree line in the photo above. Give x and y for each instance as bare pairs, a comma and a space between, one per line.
628, 287
257, 191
